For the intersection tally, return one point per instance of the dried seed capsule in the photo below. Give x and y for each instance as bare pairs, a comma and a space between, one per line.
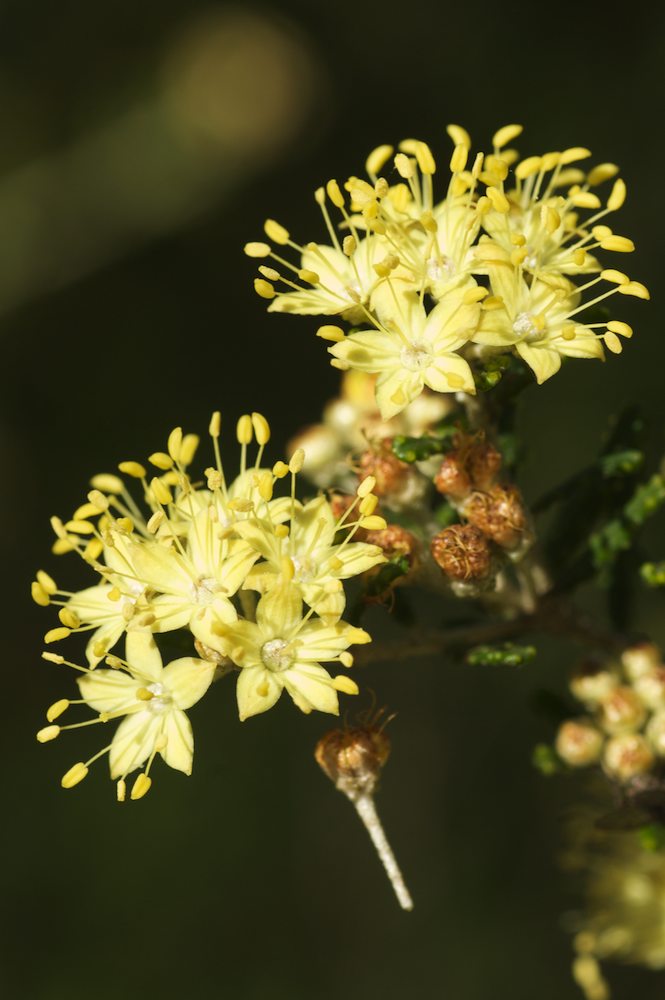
499, 514
650, 687
463, 553
390, 472
579, 743
353, 758
656, 733
592, 681
452, 478
484, 464
640, 658
621, 711
627, 755
395, 541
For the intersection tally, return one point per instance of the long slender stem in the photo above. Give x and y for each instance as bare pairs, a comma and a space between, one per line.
364, 805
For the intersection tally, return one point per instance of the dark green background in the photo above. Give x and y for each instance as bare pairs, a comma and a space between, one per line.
253, 879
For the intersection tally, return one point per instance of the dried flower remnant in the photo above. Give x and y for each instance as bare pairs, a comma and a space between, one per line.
353, 760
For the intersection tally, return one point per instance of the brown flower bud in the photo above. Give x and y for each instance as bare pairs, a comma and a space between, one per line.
500, 514
579, 743
484, 464
640, 659
621, 711
353, 758
627, 755
651, 688
592, 681
463, 553
390, 472
452, 478
340, 503
395, 541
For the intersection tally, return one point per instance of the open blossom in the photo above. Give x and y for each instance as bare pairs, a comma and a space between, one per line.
414, 349
151, 701
283, 650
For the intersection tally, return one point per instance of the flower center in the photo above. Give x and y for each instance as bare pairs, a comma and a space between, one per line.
415, 358
440, 268
305, 569
161, 698
205, 590
275, 654
526, 327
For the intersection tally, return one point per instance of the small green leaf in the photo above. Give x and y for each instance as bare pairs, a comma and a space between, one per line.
507, 655
621, 463
646, 500
607, 543
416, 449
653, 574
545, 760
652, 837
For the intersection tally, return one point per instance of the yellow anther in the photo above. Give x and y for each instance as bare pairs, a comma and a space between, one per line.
261, 428
269, 272
549, 161
121, 790
215, 425
39, 595
425, 159
579, 256
190, 443
80, 527
281, 531
134, 469
505, 135
495, 165
618, 195
381, 188
288, 569
528, 167
46, 581
161, 493
280, 469
346, 659
623, 329
47, 734
174, 442
55, 710
265, 486
366, 486
74, 775
602, 172
56, 634
114, 594
518, 239
404, 166
601, 232
492, 302
85, 511
320, 196
114, 662
349, 245
612, 342
53, 657
472, 295
378, 159
345, 684
161, 460
69, 618
334, 193
140, 787
275, 232
358, 636
311, 277
574, 154
155, 521
616, 277
585, 199
125, 524
368, 504
551, 218
459, 158
241, 505
459, 135
332, 333
237, 653
518, 256
297, 461
373, 523
335, 565
620, 244
99, 648
143, 694
257, 249
568, 331
244, 429
107, 483
264, 289
635, 288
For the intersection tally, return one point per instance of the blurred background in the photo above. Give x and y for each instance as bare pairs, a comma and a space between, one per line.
143, 144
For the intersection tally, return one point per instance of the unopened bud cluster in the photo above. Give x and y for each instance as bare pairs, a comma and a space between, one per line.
622, 727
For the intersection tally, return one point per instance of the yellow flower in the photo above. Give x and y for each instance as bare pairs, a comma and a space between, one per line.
151, 700
283, 650
411, 349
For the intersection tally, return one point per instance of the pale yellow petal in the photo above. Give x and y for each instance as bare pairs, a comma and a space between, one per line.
310, 688
109, 690
179, 750
133, 742
257, 690
543, 361
143, 655
188, 679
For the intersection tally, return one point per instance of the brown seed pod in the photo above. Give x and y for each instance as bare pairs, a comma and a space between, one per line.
463, 553
353, 758
340, 503
390, 472
452, 479
499, 514
483, 464
395, 541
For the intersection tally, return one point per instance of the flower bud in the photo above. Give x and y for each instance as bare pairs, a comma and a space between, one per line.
484, 465
395, 541
640, 658
627, 756
388, 470
651, 688
499, 514
452, 478
621, 711
463, 553
353, 758
579, 743
339, 504
656, 733
592, 681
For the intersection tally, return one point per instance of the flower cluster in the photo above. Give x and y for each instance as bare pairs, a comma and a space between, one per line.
505, 262
254, 578
623, 725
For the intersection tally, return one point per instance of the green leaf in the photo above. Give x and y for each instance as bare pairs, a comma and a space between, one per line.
621, 463
646, 500
387, 575
653, 574
545, 760
652, 837
607, 543
416, 449
507, 654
